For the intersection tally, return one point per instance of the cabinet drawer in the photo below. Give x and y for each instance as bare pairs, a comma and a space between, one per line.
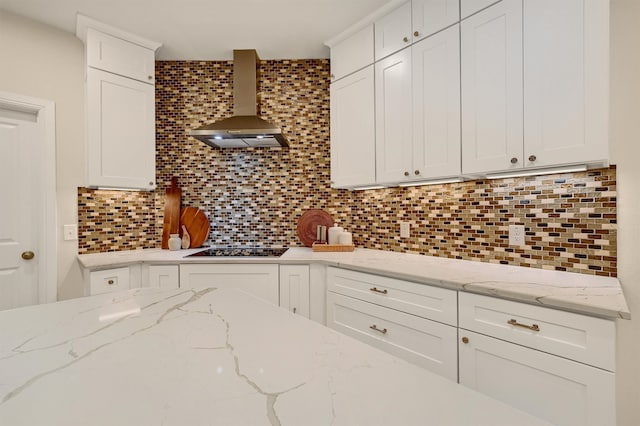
438, 304
109, 280
120, 57
426, 343
558, 390
578, 337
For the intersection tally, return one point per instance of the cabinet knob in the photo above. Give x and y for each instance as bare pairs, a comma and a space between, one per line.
514, 160
416, 172
465, 340
532, 158
333, 77
406, 39
294, 310
150, 77
151, 183
406, 173
110, 282
416, 34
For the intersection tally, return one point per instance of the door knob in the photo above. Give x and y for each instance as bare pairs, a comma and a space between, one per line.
405, 39
416, 34
28, 255
532, 158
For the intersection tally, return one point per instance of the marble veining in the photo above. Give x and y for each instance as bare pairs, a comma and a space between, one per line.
212, 356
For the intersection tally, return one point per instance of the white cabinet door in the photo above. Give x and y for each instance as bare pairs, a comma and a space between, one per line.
559, 390
426, 343
353, 130
120, 57
352, 54
436, 105
566, 81
260, 280
431, 16
469, 7
393, 31
492, 133
393, 118
121, 132
161, 276
294, 288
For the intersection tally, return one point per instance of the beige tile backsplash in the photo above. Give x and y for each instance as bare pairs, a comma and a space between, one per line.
255, 196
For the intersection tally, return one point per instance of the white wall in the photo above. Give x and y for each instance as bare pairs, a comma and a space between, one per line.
41, 61
625, 151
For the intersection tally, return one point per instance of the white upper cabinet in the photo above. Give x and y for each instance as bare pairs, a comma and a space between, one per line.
393, 31
469, 7
492, 100
436, 105
120, 131
393, 118
120, 57
566, 56
431, 16
353, 130
352, 54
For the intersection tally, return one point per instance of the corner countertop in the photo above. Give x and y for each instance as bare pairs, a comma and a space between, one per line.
207, 356
581, 293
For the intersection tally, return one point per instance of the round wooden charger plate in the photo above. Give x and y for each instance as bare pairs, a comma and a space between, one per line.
308, 225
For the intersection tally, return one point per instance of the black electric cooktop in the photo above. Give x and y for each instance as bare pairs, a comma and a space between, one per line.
241, 252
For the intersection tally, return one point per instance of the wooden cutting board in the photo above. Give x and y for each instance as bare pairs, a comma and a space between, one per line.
171, 222
197, 225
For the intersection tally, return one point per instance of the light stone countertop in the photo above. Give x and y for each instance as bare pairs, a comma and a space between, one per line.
217, 357
587, 294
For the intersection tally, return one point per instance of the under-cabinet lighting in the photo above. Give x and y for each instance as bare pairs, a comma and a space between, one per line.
430, 182
364, 188
550, 171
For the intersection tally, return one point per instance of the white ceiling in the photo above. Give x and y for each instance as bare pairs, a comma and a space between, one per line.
211, 29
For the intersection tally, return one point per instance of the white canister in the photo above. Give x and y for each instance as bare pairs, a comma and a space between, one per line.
174, 242
345, 238
334, 233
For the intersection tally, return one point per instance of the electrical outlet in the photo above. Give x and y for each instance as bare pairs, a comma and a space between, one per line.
405, 229
516, 235
70, 232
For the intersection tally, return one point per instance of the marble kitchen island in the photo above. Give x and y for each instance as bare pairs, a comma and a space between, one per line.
192, 357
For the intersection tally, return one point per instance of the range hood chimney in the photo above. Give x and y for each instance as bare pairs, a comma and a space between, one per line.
245, 129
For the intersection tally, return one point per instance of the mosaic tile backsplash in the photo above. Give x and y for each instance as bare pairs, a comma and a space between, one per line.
255, 196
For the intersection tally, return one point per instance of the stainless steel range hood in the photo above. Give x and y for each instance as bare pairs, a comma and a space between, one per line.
245, 128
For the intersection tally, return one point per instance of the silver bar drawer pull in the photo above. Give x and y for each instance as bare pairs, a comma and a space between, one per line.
515, 323
373, 327
374, 289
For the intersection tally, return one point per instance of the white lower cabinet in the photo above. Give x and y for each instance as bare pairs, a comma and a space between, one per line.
294, 288
413, 321
111, 280
556, 365
556, 389
161, 276
429, 344
260, 280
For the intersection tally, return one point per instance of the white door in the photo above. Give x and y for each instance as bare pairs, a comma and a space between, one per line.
393, 118
353, 157
436, 105
27, 220
566, 81
294, 289
492, 89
